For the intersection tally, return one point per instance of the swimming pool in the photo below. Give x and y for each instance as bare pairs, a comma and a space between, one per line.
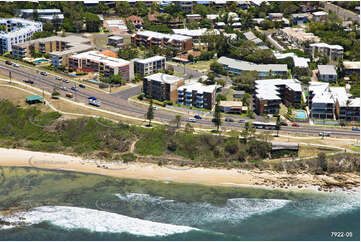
40, 61
300, 114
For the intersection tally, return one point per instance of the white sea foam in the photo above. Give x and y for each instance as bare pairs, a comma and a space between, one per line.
177, 212
95, 220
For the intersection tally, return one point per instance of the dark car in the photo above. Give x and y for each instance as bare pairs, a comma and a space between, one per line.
43, 73
82, 85
229, 120
283, 123
8, 62
28, 81
241, 121
74, 88
197, 117
295, 125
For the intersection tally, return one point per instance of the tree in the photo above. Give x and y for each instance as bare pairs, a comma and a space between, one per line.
92, 22
246, 99
211, 77
221, 97
322, 159
150, 113
141, 8
47, 27
178, 119
221, 82
191, 58
188, 129
248, 131
278, 124
128, 54
130, 26
217, 116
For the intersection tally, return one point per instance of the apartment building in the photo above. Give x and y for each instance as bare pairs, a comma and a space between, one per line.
149, 65
186, 6
327, 73
333, 52
162, 86
252, 37
298, 36
197, 95
17, 31
269, 94
115, 40
59, 48
195, 17
349, 110
196, 34
93, 61
150, 38
351, 67
299, 18
263, 70
43, 15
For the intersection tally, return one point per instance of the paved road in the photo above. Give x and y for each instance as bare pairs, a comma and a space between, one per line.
118, 102
189, 72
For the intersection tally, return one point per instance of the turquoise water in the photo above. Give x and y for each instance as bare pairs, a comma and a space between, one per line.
300, 114
75, 206
40, 61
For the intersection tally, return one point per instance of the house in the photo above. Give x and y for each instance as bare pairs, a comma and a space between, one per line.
252, 37
327, 73
270, 93
306, 8
219, 3
115, 40
198, 95
212, 17
319, 16
275, 16
299, 18
94, 61
149, 65
351, 67
299, 62
333, 52
232, 107
137, 21
243, 4
162, 86
263, 70
258, 21
150, 38
238, 94
195, 17
195, 33
298, 36
185, 6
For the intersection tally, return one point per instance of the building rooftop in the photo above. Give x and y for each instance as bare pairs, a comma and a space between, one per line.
150, 59
98, 57
156, 35
230, 103
268, 89
319, 13
324, 45
300, 62
40, 11
212, 16
163, 78
299, 15
300, 34
351, 64
327, 70
248, 66
115, 37
198, 87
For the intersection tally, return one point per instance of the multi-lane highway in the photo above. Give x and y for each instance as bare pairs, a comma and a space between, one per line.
118, 102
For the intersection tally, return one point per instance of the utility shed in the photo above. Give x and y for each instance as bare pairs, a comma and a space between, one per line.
34, 99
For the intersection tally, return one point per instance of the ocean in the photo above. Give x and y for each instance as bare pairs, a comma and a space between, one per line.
59, 205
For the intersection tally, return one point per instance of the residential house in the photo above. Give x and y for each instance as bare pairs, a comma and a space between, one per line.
327, 73
136, 21
299, 18
298, 36
351, 67
115, 40
42, 15
319, 16
195, 17
333, 52
149, 65
162, 86
232, 107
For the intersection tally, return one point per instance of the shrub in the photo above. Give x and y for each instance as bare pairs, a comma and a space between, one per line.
128, 157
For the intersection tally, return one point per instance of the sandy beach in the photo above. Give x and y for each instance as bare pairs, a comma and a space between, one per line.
205, 176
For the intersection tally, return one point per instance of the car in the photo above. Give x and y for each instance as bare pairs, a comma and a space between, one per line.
69, 95
43, 73
155, 108
295, 125
197, 117
82, 85
64, 88
229, 120
8, 63
325, 134
28, 81
58, 78
15, 65
355, 129
282, 123
192, 120
74, 88
241, 121
66, 81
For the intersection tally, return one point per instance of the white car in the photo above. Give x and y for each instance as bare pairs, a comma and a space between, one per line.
192, 120
15, 65
64, 88
58, 78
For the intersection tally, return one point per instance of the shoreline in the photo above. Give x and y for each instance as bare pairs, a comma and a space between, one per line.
265, 179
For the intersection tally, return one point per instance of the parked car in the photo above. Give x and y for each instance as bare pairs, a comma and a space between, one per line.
64, 88
229, 120
43, 73
8, 62
74, 88
69, 95
295, 125
241, 121
192, 120
282, 123
93, 101
155, 108
82, 85
15, 65
58, 78
197, 117
326, 134
355, 129
28, 81
66, 81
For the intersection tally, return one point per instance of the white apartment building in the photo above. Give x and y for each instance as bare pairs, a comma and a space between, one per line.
17, 31
44, 15
149, 65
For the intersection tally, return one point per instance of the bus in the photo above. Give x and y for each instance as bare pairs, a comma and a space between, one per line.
262, 125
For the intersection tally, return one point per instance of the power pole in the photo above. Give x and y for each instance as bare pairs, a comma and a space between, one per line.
43, 96
10, 76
